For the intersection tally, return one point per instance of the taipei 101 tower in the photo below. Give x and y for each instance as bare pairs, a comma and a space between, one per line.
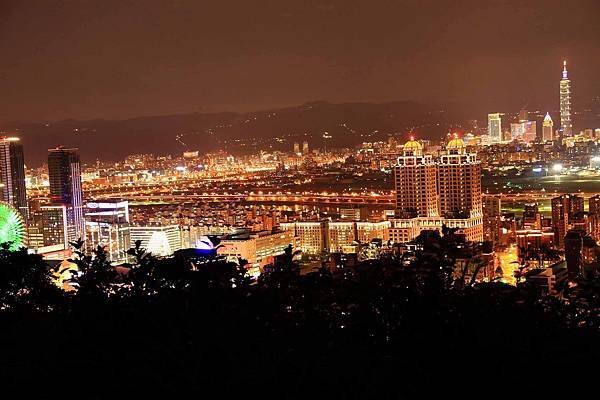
566, 121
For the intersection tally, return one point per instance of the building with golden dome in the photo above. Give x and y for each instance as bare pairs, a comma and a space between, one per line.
456, 146
459, 182
415, 178
432, 192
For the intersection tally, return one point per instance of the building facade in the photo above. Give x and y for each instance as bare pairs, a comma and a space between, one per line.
311, 235
547, 129
495, 127
457, 183
158, 240
12, 174
564, 212
415, 182
64, 173
107, 226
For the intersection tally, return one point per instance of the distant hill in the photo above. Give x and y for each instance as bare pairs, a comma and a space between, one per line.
348, 124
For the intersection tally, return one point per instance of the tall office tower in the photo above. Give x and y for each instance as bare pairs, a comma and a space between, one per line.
107, 226
564, 209
523, 116
594, 216
415, 177
491, 218
495, 127
566, 122
64, 172
547, 129
305, 148
12, 174
459, 182
296, 148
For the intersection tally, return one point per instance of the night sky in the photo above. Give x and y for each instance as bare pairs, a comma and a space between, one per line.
119, 59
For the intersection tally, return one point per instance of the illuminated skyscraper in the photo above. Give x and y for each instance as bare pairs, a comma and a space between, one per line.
566, 122
433, 193
547, 129
459, 182
415, 176
495, 127
64, 172
12, 174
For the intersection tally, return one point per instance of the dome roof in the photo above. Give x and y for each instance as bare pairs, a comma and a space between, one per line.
412, 145
456, 143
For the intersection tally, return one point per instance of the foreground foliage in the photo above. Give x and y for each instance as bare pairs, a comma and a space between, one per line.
170, 327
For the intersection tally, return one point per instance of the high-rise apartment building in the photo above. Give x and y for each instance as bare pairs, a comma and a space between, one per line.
459, 182
454, 179
566, 121
415, 181
12, 174
64, 172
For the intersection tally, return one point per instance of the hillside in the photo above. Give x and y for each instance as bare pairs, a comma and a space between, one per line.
347, 123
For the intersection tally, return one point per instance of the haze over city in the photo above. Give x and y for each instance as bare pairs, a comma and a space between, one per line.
316, 199
123, 59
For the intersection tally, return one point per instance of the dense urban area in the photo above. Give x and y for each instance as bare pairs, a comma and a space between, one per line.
487, 235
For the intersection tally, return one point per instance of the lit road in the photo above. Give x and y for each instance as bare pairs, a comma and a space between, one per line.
509, 263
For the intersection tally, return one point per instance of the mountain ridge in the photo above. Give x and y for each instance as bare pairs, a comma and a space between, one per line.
348, 124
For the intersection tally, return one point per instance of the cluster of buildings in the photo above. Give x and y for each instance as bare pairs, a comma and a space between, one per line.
62, 218
570, 233
526, 130
437, 186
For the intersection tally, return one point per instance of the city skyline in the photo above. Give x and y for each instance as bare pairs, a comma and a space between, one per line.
540, 125
431, 198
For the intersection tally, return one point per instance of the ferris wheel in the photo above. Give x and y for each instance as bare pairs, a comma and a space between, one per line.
12, 226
